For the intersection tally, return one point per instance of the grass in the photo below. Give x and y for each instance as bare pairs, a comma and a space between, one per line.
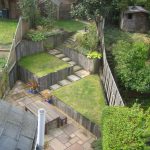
7, 31
69, 25
2, 62
85, 96
42, 64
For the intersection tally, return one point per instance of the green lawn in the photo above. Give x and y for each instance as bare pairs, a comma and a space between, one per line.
42, 64
85, 96
69, 25
7, 31
2, 62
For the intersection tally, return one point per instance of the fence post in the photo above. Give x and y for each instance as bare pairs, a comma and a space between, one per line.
41, 129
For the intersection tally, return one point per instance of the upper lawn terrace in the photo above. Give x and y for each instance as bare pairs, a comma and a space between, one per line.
42, 64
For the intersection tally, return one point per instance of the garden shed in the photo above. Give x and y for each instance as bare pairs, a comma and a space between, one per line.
17, 128
62, 8
135, 19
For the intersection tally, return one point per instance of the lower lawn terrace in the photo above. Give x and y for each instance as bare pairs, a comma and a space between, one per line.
85, 96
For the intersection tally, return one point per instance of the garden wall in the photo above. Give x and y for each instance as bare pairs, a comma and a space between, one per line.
45, 81
90, 126
91, 65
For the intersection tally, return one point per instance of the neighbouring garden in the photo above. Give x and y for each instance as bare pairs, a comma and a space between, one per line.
131, 60
41, 64
85, 96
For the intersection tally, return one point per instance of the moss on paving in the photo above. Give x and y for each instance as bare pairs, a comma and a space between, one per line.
7, 30
42, 64
85, 96
69, 25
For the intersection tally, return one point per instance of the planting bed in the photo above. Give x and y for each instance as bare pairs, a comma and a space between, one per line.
44, 68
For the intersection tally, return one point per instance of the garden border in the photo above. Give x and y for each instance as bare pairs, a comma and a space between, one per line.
78, 117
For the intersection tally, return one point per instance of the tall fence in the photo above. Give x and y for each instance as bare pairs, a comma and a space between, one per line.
112, 93
8, 74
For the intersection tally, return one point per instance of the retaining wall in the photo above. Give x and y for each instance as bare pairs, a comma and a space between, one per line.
86, 123
45, 81
91, 65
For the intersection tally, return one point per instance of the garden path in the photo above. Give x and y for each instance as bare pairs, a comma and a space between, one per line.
69, 137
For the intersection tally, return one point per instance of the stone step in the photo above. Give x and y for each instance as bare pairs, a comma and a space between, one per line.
82, 73
66, 59
55, 87
60, 56
72, 63
73, 78
77, 68
54, 52
64, 82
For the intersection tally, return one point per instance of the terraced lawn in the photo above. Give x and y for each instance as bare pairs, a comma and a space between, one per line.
42, 64
85, 96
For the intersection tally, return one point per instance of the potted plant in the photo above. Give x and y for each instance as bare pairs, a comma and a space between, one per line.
33, 85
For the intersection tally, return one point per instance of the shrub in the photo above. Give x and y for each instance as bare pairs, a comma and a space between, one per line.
132, 65
125, 128
35, 35
94, 55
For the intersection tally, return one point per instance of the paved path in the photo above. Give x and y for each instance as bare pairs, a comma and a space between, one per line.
69, 137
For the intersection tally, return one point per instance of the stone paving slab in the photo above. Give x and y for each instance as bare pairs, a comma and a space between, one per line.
66, 59
72, 63
77, 68
55, 87
54, 52
64, 82
73, 78
82, 73
60, 56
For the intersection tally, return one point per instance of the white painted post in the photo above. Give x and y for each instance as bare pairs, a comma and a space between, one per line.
41, 129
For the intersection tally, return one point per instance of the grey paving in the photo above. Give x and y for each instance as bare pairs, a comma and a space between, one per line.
60, 56
66, 59
55, 87
77, 68
54, 52
73, 78
72, 63
82, 73
64, 82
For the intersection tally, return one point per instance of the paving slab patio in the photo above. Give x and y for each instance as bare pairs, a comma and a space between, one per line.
71, 136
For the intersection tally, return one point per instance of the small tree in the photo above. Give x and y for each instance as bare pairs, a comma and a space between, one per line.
29, 10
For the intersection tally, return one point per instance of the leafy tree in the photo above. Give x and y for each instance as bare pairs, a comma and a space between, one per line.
29, 10
132, 65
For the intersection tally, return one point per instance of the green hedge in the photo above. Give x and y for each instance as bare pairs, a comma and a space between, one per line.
125, 128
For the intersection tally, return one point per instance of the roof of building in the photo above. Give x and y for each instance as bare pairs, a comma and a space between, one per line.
58, 2
136, 9
17, 128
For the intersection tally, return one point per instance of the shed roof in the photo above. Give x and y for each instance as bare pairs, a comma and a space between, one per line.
17, 128
136, 9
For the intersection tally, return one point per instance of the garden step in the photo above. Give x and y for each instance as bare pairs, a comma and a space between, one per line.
66, 59
55, 87
73, 78
60, 56
64, 82
72, 63
82, 73
77, 68
54, 52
